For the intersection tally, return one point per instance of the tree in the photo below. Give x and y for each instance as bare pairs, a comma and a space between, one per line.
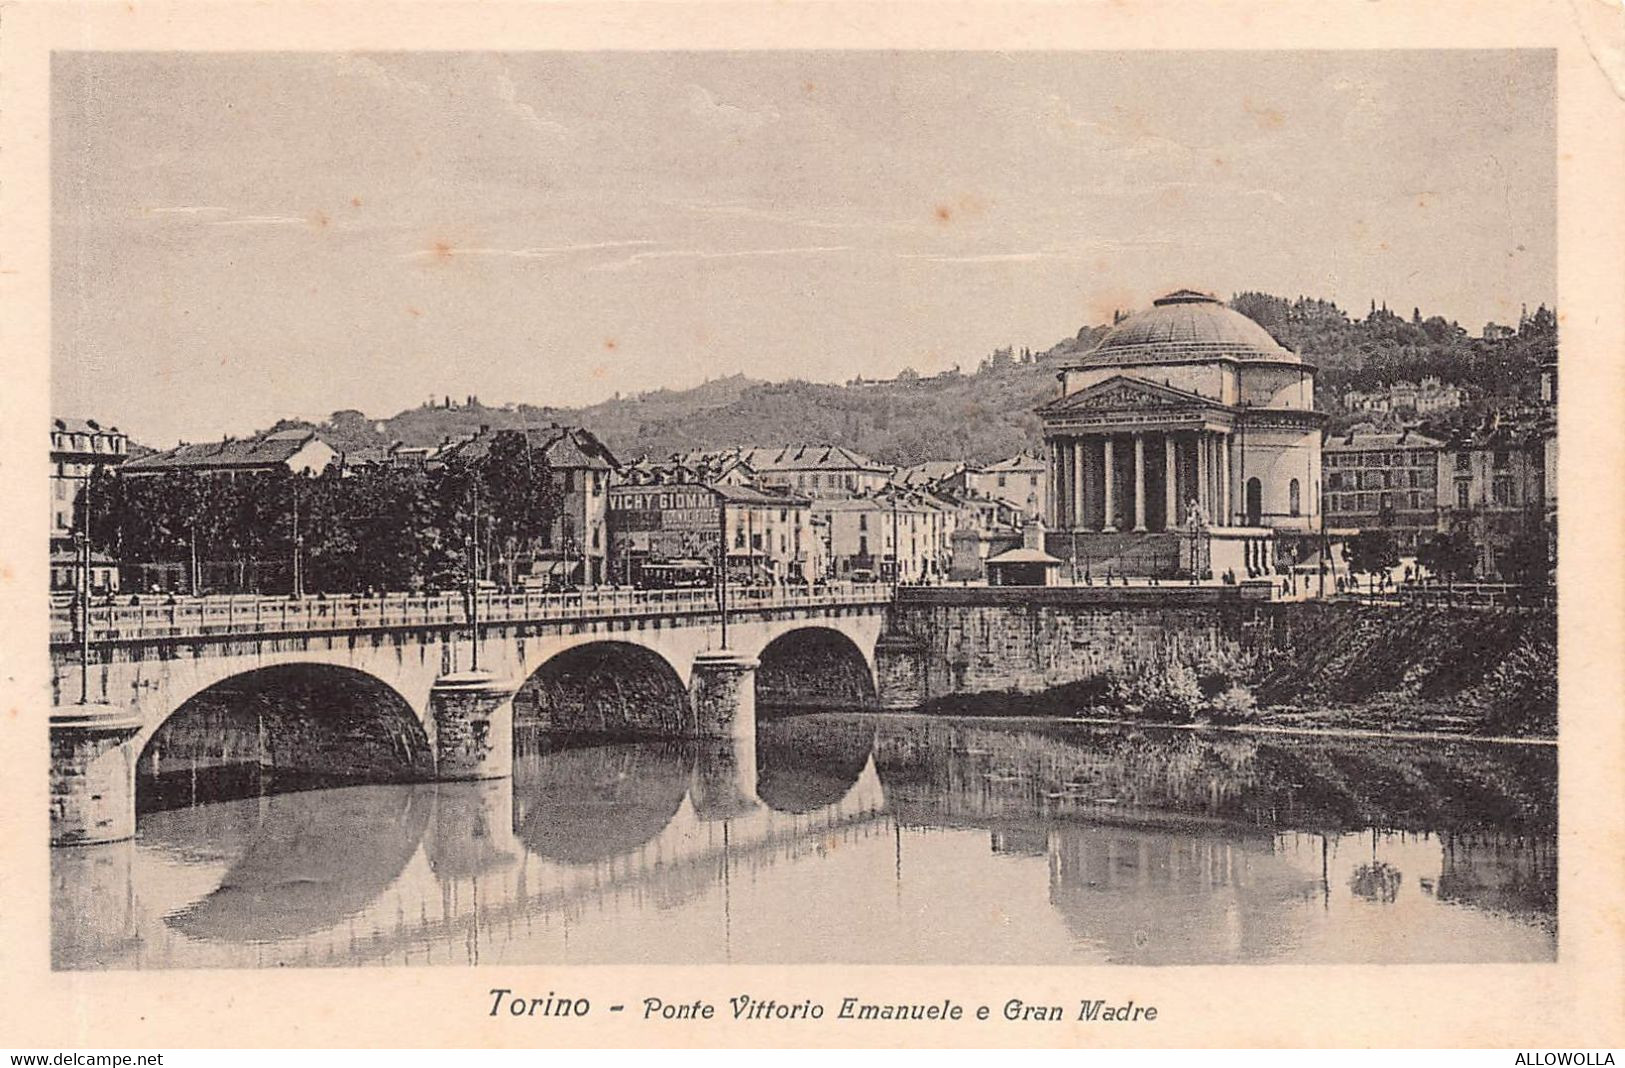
1451, 555
1372, 552
1525, 561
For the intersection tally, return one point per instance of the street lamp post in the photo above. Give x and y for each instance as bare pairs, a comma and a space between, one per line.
84, 591
474, 582
298, 549
722, 565
896, 545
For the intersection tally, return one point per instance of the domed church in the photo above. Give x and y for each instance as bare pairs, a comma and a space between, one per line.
1187, 416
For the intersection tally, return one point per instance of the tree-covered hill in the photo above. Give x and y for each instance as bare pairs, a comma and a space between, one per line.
987, 414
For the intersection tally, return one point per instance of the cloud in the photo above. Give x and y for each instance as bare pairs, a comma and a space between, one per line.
703, 254
1057, 253
187, 210
531, 253
261, 220
704, 106
508, 93
357, 66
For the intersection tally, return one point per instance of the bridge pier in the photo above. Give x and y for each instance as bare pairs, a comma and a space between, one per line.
722, 694
471, 829
92, 774
724, 783
900, 672
472, 716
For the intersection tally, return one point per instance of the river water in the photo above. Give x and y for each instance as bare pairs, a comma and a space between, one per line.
847, 838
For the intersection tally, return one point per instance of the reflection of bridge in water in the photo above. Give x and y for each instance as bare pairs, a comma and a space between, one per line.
1135, 852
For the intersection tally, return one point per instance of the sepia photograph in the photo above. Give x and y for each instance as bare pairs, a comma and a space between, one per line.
807, 507
811, 526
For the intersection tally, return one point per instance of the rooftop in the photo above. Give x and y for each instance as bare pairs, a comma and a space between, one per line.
265, 451
1185, 325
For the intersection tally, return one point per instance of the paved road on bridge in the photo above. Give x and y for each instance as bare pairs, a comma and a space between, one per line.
224, 616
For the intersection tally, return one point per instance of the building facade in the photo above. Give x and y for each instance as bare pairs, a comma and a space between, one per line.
814, 471
1492, 486
896, 534
1383, 481
78, 447
1188, 414
665, 518
576, 550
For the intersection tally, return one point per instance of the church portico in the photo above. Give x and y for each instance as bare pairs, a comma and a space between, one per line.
1186, 418
1155, 476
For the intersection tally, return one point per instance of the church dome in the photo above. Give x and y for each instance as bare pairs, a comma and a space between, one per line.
1186, 325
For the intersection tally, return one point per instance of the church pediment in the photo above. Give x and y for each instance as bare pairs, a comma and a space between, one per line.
1125, 392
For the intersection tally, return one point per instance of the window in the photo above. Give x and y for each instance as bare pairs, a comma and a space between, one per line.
1464, 461
1502, 459
1462, 491
1032, 480
595, 541
1293, 503
863, 521
1502, 491
1001, 481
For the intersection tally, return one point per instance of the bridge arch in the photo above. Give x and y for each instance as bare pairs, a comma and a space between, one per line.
606, 688
815, 667
281, 728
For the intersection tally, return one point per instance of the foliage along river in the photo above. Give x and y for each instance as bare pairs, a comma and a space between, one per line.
856, 839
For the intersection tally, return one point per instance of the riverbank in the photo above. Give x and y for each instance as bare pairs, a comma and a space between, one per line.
1233, 708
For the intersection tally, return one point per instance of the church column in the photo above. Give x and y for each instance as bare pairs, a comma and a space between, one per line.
1106, 524
1224, 479
1139, 480
1201, 494
1170, 480
1049, 482
1080, 507
1057, 481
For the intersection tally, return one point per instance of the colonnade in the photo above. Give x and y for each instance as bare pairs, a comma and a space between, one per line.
1140, 480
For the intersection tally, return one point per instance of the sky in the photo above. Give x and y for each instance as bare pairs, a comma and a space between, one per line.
243, 237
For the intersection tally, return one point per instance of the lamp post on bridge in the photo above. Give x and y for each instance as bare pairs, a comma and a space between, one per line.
298, 548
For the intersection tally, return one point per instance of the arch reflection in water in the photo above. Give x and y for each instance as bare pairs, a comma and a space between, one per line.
591, 803
806, 764
851, 838
306, 869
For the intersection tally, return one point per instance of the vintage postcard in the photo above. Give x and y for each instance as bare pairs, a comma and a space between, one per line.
714, 525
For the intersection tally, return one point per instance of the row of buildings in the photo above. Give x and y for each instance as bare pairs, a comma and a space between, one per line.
1186, 441
786, 514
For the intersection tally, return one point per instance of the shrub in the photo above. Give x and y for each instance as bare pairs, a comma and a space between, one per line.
1235, 705
1173, 696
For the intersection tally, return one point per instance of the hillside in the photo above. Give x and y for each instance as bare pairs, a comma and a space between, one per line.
987, 414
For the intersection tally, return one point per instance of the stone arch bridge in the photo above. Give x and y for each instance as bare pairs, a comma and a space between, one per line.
415, 695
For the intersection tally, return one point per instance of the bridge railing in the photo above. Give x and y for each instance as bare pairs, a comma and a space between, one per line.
193, 617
